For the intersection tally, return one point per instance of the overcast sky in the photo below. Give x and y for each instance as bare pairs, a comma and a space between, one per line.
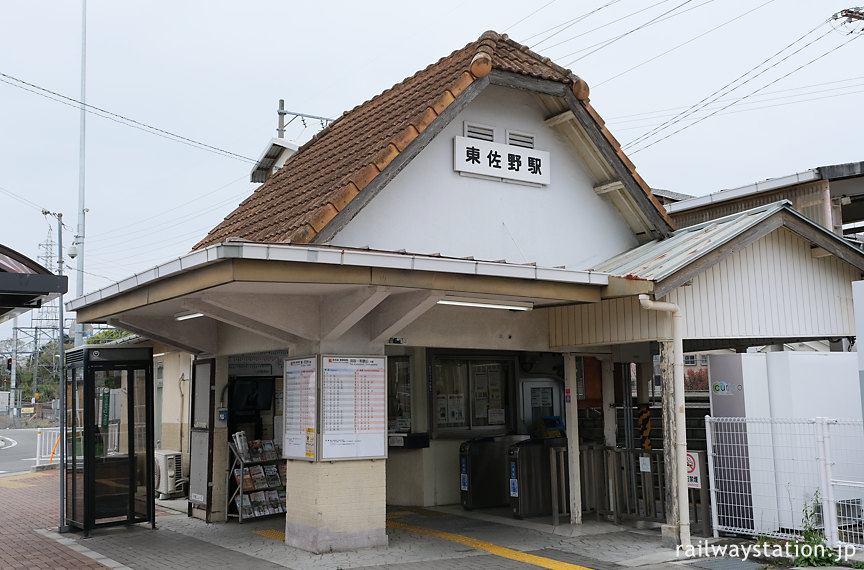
214, 71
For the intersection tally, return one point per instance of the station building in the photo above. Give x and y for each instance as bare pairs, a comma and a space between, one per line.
478, 226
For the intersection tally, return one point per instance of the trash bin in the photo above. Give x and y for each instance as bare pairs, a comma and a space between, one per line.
482, 471
530, 476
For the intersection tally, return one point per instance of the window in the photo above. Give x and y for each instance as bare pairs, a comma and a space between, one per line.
689, 360
520, 139
472, 394
399, 393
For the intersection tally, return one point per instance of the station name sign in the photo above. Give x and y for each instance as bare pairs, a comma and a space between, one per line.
510, 162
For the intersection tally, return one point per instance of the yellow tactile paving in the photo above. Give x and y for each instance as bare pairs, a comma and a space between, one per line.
15, 481
489, 547
274, 534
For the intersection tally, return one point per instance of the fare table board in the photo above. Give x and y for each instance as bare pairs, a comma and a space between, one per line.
346, 415
301, 408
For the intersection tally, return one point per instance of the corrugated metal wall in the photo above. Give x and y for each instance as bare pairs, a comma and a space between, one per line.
772, 288
812, 200
612, 321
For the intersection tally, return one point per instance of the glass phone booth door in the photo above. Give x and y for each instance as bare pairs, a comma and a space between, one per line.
109, 437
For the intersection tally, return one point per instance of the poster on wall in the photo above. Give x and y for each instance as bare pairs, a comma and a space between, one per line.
353, 407
300, 415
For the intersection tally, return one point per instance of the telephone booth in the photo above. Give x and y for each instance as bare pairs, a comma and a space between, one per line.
109, 437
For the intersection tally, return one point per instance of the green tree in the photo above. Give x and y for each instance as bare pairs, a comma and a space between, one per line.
107, 335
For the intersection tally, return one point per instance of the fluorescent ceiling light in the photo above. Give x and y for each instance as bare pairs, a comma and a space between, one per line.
187, 316
486, 303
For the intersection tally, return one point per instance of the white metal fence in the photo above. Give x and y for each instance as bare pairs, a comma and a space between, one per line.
48, 443
765, 472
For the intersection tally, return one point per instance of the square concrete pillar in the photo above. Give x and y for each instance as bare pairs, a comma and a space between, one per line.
335, 506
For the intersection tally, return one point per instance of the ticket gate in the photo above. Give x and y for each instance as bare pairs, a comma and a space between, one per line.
530, 474
482, 471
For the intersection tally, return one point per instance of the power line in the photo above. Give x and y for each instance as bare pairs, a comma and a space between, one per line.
693, 39
124, 228
21, 199
654, 20
607, 24
575, 21
760, 107
529, 15
746, 96
658, 111
726, 89
99, 112
758, 104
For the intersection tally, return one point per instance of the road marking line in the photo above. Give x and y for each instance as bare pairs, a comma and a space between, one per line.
489, 547
14, 443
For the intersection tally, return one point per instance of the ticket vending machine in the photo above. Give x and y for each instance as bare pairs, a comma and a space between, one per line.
109, 459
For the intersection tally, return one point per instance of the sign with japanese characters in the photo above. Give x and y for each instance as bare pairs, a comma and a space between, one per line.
301, 408
353, 407
694, 479
476, 156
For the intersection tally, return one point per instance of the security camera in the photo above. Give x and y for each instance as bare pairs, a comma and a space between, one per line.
72, 252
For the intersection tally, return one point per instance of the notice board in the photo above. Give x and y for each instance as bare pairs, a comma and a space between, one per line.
353, 407
301, 409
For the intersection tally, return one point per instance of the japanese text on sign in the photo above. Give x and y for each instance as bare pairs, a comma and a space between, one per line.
510, 162
353, 407
300, 413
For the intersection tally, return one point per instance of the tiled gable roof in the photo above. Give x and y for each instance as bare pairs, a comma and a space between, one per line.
326, 173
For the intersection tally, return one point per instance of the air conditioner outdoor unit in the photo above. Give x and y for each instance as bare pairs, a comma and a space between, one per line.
168, 473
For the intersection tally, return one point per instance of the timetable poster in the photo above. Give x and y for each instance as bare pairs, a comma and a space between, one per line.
301, 403
353, 407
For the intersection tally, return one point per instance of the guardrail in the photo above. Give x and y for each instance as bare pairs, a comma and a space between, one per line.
48, 445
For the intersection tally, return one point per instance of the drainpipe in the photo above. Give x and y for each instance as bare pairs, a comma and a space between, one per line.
680, 421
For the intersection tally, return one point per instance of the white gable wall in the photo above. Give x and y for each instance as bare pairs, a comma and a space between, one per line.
773, 288
428, 208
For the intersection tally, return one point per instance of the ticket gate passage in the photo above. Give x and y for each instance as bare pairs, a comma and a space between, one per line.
483, 471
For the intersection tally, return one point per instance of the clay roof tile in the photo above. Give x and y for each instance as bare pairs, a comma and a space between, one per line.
326, 172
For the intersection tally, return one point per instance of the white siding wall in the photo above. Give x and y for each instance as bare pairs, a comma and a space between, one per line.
772, 288
429, 208
613, 321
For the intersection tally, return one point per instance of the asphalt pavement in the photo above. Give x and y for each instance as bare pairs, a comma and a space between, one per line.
18, 451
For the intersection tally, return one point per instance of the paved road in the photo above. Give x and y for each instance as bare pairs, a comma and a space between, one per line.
19, 452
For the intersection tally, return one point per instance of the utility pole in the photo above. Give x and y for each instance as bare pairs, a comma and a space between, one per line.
63, 527
82, 211
14, 371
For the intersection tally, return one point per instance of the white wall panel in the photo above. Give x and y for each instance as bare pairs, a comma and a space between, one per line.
772, 288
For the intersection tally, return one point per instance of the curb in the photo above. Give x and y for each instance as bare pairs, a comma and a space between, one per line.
46, 467
73, 544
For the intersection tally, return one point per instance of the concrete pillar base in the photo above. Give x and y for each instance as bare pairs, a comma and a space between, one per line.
321, 540
335, 506
670, 535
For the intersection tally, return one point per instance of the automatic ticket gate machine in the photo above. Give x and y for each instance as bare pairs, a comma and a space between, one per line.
508, 470
537, 467
108, 424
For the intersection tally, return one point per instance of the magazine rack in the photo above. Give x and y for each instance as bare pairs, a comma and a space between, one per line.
254, 490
